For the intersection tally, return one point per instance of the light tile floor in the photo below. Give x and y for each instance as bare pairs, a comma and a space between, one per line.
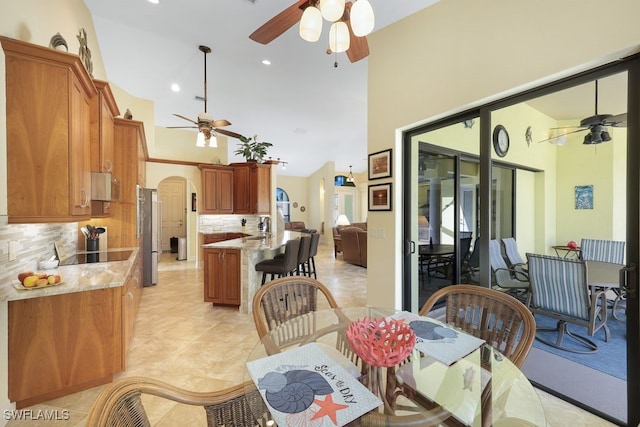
182, 340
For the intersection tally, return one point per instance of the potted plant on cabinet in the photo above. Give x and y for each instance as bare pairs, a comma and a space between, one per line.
252, 149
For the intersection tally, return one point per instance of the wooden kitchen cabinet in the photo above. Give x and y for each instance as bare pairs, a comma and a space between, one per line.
103, 111
48, 98
251, 188
61, 344
129, 145
222, 276
217, 189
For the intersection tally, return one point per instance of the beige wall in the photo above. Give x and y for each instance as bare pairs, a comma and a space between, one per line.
459, 54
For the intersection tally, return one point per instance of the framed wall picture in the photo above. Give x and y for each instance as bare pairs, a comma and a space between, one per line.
380, 197
194, 202
584, 196
380, 164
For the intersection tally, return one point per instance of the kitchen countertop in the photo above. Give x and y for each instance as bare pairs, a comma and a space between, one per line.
257, 242
77, 278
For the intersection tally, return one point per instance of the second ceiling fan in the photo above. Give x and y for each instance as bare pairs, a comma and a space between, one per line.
357, 46
596, 125
205, 124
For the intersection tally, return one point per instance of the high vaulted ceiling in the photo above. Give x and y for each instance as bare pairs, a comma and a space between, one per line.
310, 110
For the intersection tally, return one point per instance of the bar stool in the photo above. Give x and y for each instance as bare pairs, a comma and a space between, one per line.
313, 251
303, 255
281, 266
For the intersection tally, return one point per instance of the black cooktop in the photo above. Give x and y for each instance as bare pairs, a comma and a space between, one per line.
91, 257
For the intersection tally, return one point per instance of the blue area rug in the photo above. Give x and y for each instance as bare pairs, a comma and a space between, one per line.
611, 357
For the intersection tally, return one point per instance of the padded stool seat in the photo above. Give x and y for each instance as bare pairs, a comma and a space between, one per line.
281, 266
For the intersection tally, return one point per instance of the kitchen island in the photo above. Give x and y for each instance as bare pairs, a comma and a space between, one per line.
73, 336
230, 276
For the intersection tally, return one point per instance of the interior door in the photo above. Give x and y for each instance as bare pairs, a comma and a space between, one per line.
172, 195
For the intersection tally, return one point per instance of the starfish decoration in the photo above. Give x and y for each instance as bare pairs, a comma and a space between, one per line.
328, 407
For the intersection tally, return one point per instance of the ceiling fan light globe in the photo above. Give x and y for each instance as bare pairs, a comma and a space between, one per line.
213, 141
311, 24
200, 142
605, 136
332, 10
362, 18
339, 37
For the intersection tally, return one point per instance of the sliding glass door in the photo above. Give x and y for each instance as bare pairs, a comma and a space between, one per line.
564, 174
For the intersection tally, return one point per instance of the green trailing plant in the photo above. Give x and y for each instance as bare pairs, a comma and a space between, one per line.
252, 149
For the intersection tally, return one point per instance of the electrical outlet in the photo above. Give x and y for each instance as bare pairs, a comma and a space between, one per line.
12, 250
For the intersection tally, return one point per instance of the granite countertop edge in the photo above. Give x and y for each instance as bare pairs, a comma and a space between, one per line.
77, 278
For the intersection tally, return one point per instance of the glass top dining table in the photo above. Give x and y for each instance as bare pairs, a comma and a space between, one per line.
481, 388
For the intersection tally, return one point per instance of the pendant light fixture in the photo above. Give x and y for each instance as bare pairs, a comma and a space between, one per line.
362, 18
339, 37
332, 10
311, 24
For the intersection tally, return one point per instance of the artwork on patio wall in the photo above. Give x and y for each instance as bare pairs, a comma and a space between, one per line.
584, 196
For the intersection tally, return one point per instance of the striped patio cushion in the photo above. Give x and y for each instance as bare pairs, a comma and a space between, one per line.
559, 285
511, 250
602, 250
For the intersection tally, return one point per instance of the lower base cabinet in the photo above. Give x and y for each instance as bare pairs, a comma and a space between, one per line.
62, 344
222, 276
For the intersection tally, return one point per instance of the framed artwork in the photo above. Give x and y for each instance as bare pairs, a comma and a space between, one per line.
584, 196
380, 197
194, 202
380, 164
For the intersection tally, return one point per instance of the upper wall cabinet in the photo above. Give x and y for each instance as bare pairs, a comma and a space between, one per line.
251, 188
103, 110
217, 189
49, 95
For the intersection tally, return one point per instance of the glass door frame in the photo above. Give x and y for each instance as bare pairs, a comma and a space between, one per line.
632, 66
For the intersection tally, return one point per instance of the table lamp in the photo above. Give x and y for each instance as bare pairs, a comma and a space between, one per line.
342, 220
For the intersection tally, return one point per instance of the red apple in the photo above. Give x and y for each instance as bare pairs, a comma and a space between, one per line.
572, 245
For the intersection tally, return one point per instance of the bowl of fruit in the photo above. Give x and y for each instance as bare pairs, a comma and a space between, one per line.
33, 280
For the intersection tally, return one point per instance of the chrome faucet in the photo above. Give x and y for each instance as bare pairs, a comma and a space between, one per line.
265, 225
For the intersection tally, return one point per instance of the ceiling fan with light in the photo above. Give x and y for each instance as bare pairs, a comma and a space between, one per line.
351, 22
206, 125
596, 126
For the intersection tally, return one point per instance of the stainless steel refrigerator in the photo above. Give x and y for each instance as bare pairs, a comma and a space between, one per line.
151, 213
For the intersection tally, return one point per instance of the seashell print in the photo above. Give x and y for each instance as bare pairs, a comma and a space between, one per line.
272, 381
317, 382
431, 331
293, 398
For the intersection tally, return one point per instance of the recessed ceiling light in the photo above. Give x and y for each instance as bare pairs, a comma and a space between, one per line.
154, 1
174, 86
266, 62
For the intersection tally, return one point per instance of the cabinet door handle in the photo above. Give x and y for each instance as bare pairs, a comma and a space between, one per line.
85, 198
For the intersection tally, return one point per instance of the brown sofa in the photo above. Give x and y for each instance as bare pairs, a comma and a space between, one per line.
337, 240
354, 245
295, 226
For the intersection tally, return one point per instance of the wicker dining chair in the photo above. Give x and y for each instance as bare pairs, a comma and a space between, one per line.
489, 314
283, 299
120, 404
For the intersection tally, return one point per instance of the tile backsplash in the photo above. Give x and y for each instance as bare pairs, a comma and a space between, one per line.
33, 243
231, 223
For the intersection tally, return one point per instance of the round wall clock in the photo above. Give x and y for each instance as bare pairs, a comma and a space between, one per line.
500, 140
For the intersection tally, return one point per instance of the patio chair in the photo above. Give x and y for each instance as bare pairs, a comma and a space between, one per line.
494, 316
515, 260
560, 290
470, 267
120, 404
514, 282
606, 251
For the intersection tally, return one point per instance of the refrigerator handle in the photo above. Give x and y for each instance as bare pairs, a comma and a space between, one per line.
159, 226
